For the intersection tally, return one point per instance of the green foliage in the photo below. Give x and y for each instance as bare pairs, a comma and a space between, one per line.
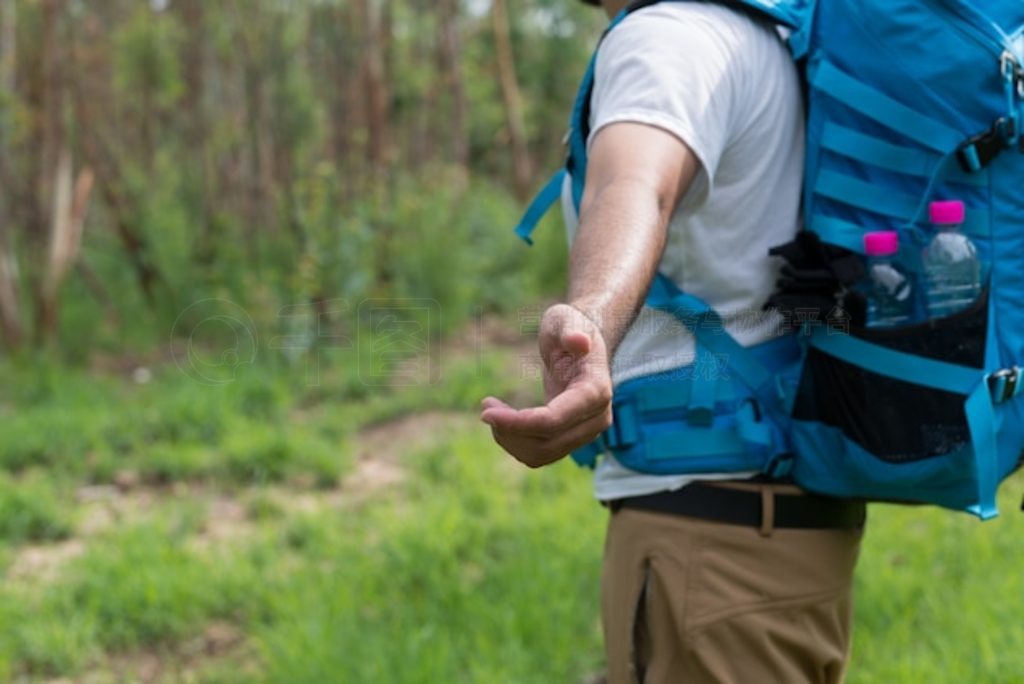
466, 257
146, 63
32, 510
231, 150
170, 430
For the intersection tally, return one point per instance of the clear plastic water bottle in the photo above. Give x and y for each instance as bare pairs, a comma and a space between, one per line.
952, 269
887, 286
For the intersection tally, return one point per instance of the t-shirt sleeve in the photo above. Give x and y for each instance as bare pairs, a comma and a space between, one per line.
669, 73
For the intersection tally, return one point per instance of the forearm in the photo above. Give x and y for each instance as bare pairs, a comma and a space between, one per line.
615, 255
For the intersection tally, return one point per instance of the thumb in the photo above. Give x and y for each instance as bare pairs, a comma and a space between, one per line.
566, 329
579, 335
576, 342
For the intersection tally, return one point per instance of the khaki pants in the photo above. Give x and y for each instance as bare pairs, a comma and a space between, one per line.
687, 601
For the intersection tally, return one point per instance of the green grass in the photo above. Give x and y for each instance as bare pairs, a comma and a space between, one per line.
452, 582
938, 596
32, 508
471, 570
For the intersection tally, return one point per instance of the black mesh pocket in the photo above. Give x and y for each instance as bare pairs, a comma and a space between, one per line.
894, 420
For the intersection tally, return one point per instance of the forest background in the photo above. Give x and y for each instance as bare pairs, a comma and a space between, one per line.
256, 272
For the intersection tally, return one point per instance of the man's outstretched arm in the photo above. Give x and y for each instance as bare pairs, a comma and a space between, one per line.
635, 178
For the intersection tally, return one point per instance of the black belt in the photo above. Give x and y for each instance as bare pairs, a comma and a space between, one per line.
707, 501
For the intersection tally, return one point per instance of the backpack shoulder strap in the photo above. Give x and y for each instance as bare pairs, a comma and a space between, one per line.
789, 13
796, 15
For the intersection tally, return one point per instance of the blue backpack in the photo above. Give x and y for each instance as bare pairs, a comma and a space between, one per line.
909, 101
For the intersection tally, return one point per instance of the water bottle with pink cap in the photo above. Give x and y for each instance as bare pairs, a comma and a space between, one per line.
952, 269
887, 287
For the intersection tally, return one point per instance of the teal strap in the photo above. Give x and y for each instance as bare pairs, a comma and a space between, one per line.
586, 456
899, 365
749, 441
979, 410
662, 397
695, 443
867, 196
851, 236
540, 205
799, 41
675, 395
577, 142
839, 232
625, 427
756, 435
881, 108
977, 223
909, 161
871, 150
701, 407
981, 419
709, 331
879, 200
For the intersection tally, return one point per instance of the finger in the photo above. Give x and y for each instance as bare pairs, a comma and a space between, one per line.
492, 402
576, 342
536, 452
582, 434
575, 405
499, 415
579, 402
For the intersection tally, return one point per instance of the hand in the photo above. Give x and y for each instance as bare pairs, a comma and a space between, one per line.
577, 387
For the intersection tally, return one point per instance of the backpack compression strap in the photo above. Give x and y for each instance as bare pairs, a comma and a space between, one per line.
696, 397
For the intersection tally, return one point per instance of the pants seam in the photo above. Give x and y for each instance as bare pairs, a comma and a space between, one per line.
705, 621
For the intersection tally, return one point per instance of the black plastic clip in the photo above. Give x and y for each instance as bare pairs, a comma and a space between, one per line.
1003, 384
978, 151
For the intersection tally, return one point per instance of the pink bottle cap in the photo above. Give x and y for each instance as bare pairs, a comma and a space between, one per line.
881, 243
946, 213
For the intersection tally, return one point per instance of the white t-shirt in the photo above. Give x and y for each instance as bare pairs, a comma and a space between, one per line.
726, 86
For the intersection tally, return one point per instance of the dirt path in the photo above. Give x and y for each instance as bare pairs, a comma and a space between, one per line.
381, 464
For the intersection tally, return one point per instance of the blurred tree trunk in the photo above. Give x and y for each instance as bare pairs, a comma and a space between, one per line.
375, 89
62, 201
256, 196
337, 25
51, 112
193, 58
10, 316
523, 166
94, 112
49, 141
424, 117
450, 52
70, 205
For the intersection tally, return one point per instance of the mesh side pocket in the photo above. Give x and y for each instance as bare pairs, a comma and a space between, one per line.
896, 421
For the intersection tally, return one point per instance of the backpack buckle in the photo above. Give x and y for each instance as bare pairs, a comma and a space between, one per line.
1005, 384
979, 150
1012, 70
779, 467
